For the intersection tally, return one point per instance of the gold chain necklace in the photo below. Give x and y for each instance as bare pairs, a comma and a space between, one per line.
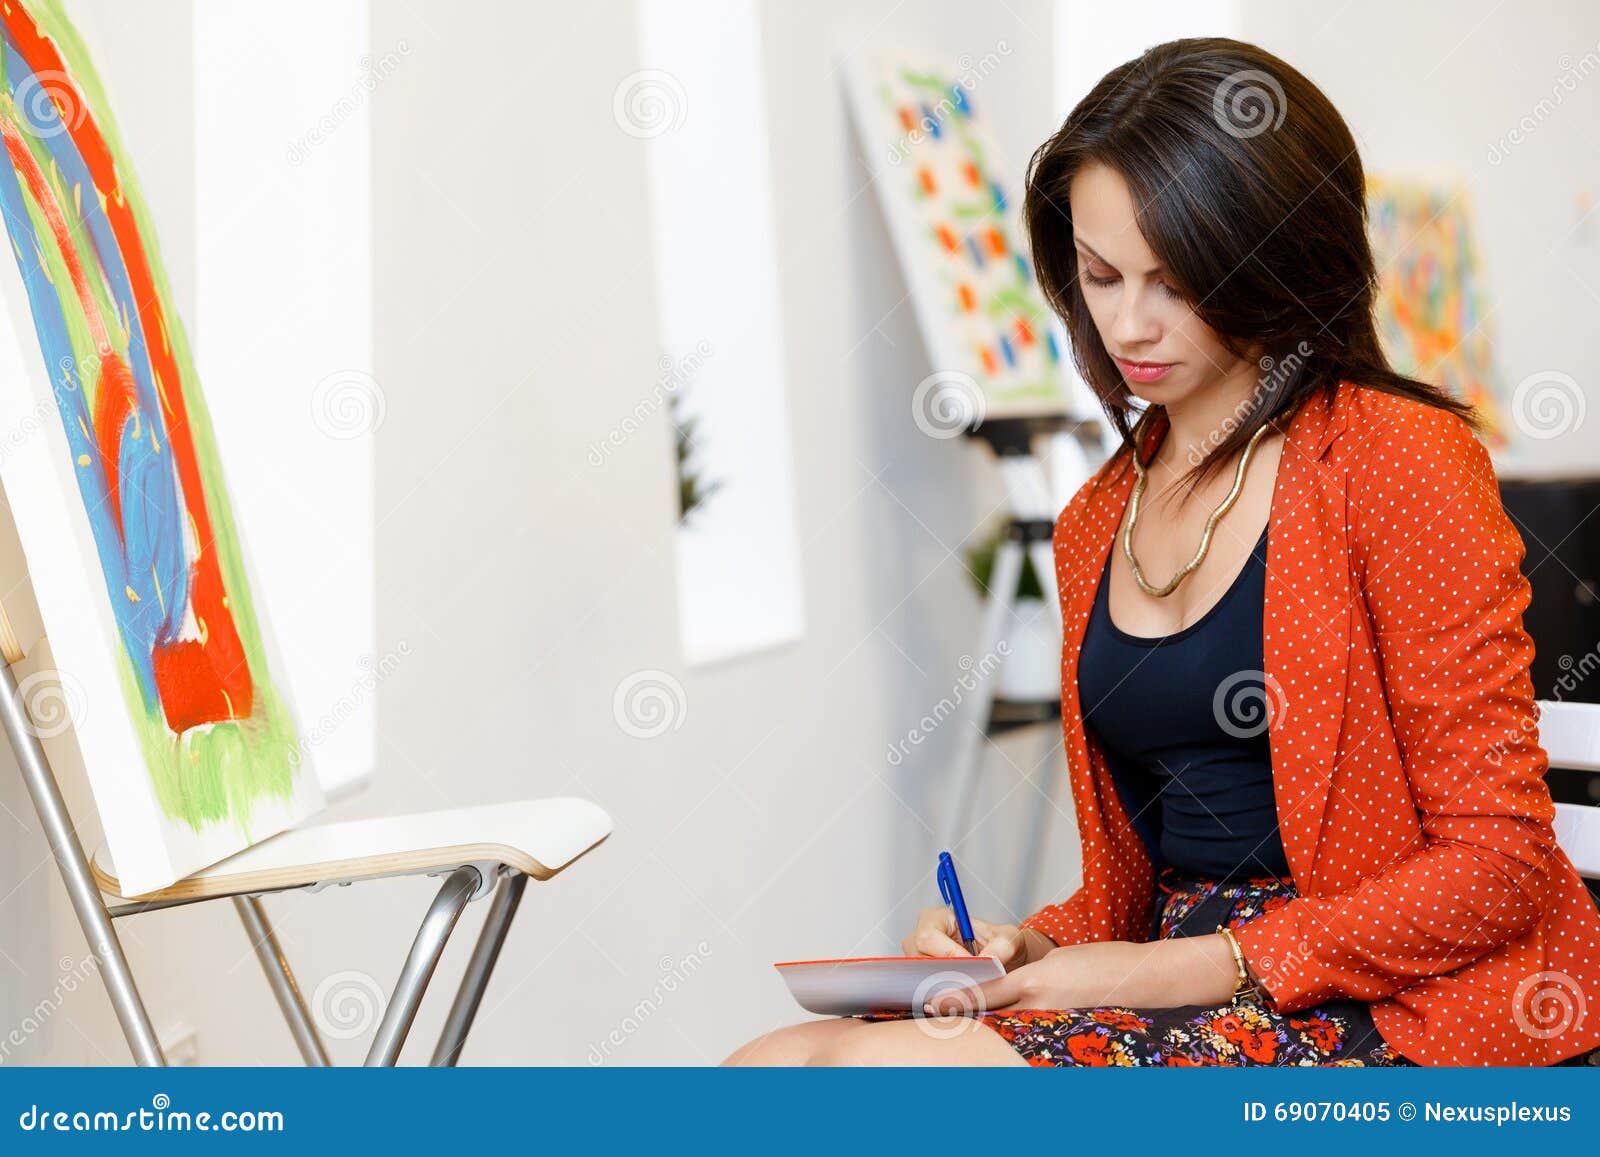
1211, 522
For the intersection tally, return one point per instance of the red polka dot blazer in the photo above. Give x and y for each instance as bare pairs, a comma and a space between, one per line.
1405, 752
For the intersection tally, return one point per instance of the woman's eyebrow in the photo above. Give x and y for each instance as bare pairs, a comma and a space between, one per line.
1085, 246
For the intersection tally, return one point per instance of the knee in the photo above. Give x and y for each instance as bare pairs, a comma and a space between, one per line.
792, 1045
845, 1051
905, 1042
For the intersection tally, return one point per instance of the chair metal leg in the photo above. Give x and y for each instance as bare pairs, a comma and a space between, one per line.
423, 959
74, 867
476, 978
281, 978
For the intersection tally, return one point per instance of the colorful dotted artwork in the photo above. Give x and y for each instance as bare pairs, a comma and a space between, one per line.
957, 233
1431, 311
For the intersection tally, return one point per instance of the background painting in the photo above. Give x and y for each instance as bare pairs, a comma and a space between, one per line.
1432, 313
118, 493
956, 230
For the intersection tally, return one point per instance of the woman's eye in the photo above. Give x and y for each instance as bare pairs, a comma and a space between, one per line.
1112, 279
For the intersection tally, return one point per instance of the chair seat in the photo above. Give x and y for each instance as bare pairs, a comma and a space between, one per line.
538, 837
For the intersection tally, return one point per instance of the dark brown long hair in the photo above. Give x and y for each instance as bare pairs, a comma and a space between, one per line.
1252, 196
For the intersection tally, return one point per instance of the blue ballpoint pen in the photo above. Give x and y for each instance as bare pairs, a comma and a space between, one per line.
950, 889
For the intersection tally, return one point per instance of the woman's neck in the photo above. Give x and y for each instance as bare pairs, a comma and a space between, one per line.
1203, 421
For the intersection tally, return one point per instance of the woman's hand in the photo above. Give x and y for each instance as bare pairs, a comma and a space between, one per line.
1161, 974
936, 934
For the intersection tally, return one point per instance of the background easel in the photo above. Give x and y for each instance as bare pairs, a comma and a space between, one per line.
1038, 484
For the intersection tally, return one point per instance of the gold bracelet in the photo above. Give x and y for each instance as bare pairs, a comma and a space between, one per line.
1246, 988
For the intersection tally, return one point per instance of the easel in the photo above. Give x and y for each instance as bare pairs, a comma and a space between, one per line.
1036, 488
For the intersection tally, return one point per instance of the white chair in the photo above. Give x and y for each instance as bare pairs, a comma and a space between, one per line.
478, 850
1570, 734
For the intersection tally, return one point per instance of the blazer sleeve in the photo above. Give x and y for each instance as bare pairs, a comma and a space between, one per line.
1439, 564
1064, 922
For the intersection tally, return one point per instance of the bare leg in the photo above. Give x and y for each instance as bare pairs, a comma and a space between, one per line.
794, 1044
933, 1040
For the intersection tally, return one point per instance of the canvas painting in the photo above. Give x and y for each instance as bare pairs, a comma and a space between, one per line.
117, 488
956, 229
1432, 311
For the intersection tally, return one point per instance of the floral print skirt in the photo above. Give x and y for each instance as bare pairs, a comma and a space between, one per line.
1338, 1032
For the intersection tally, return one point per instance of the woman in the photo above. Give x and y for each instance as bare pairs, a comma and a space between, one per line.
1300, 728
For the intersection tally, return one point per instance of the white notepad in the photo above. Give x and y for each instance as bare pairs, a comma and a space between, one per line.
882, 983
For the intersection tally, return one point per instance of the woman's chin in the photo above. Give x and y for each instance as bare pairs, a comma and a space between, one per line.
1156, 393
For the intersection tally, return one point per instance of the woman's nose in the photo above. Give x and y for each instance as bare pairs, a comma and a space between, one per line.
1135, 322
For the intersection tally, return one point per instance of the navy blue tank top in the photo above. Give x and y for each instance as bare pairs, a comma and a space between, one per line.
1183, 724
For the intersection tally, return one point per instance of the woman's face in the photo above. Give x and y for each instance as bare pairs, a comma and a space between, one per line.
1135, 306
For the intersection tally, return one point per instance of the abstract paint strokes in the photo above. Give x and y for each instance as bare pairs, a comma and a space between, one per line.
215, 734
1431, 312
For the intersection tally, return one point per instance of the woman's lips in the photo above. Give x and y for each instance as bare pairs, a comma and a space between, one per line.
1144, 371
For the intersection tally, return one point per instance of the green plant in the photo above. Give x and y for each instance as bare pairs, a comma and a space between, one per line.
693, 492
980, 565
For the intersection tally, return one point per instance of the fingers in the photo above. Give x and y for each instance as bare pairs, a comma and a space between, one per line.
934, 935
989, 996
1008, 947
1004, 942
